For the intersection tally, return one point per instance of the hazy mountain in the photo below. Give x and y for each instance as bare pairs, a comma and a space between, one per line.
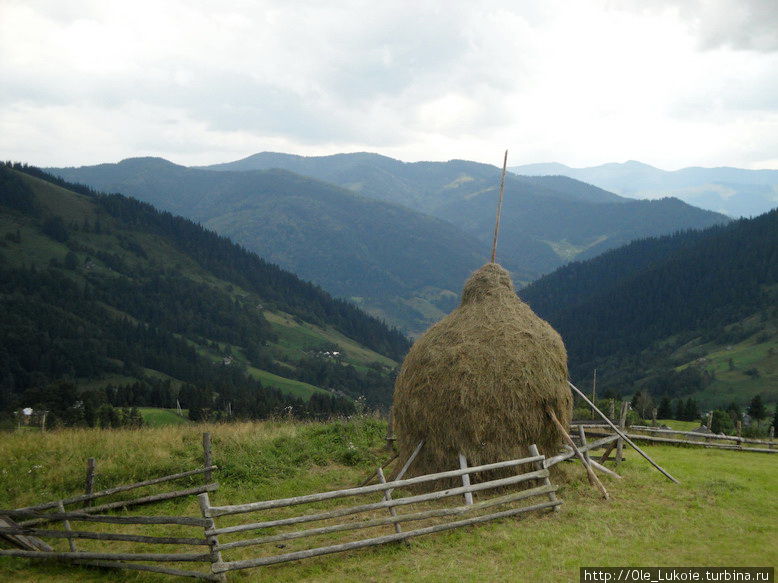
103, 290
657, 307
547, 220
400, 264
733, 191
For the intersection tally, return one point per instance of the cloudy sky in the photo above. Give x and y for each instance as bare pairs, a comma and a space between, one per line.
581, 82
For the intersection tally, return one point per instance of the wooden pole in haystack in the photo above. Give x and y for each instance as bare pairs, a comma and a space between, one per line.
499, 207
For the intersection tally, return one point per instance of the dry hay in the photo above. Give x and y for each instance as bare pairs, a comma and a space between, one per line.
479, 381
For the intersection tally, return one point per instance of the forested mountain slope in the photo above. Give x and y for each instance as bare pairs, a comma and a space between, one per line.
105, 291
398, 263
647, 309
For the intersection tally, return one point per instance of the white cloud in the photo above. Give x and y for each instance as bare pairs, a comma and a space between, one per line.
583, 82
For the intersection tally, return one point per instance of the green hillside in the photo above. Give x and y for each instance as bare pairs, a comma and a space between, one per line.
667, 315
135, 308
338, 221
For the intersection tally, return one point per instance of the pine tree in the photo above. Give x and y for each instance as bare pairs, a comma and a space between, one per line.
665, 408
757, 409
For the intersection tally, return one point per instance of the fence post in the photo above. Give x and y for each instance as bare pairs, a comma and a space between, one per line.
207, 456
772, 436
71, 542
539, 465
465, 478
387, 497
389, 432
622, 425
89, 484
739, 427
612, 415
213, 540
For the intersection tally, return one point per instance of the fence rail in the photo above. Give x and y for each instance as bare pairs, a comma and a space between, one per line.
468, 513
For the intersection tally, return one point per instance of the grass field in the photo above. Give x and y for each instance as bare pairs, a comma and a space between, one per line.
155, 417
722, 514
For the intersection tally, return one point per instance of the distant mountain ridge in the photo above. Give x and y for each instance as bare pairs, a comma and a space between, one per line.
734, 191
398, 238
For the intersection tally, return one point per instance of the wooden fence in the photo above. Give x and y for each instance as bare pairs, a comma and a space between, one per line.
707, 440
465, 514
21, 527
112, 546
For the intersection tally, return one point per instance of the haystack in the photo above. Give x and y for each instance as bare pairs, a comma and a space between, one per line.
480, 381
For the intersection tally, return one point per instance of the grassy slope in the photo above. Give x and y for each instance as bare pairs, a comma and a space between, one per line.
295, 338
156, 417
759, 351
722, 513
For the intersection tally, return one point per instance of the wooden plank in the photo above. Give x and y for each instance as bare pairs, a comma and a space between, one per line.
162, 557
24, 542
570, 453
116, 490
651, 438
80, 515
409, 461
623, 435
533, 451
374, 474
437, 513
249, 563
157, 540
622, 425
267, 504
151, 568
132, 502
388, 497
598, 466
66, 524
538, 474
720, 436
213, 541
465, 478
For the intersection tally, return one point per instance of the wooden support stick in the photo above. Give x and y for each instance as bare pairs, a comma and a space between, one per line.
593, 479
623, 435
388, 497
409, 461
66, 523
465, 478
89, 485
582, 436
598, 466
622, 424
369, 479
608, 451
207, 456
533, 451
499, 206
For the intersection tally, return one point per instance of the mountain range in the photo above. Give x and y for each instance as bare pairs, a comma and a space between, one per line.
736, 192
141, 308
396, 238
